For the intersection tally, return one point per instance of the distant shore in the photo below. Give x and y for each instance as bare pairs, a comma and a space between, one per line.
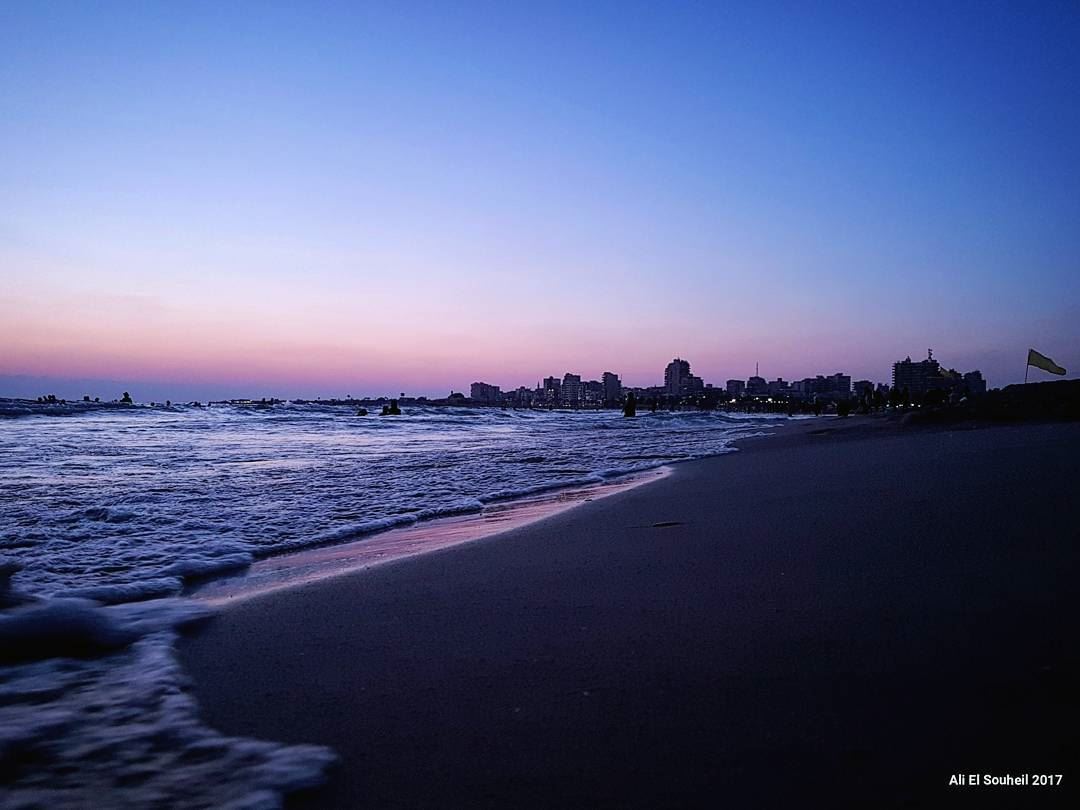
848, 613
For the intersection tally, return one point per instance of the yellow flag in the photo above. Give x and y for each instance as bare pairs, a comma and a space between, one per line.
1043, 362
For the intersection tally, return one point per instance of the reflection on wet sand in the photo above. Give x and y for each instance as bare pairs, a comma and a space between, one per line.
309, 565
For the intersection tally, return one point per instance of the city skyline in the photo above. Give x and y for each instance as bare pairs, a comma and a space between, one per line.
251, 199
570, 389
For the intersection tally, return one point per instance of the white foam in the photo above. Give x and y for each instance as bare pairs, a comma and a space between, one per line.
522, 492
468, 507
115, 504
155, 588
355, 530
194, 567
122, 731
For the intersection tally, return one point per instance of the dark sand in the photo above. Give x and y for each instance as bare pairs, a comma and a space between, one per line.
821, 619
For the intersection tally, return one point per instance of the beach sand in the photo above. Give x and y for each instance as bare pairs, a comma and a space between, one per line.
824, 618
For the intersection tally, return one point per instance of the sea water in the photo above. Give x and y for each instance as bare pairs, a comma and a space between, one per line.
108, 513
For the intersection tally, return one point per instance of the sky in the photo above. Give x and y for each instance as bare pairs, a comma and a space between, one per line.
317, 199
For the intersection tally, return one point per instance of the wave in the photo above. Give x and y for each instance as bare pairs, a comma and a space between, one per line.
95, 712
191, 568
156, 588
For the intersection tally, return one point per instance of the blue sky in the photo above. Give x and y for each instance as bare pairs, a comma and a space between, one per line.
321, 198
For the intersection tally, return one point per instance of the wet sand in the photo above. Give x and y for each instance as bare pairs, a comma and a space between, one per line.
838, 617
321, 562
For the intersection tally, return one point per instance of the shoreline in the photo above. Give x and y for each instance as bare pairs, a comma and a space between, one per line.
382, 547
314, 564
848, 611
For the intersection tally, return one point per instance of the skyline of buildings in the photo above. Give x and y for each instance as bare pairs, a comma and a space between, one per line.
910, 379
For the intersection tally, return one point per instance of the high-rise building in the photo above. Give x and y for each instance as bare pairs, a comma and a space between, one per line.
483, 392
757, 386
778, 388
551, 393
522, 397
572, 391
593, 393
675, 374
927, 375
678, 381
917, 378
839, 384
974, 383
735, 388
612, 388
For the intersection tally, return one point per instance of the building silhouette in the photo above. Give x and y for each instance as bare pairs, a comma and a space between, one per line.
778, 388
917, 378
551, 393
678, 381
484, 392
612, 388
592, 392
974, 383
757, 387
572, 390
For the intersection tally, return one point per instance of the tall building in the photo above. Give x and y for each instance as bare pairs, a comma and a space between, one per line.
779, 388
735, 388
551, 393
801, 389
593, 393
483, 392
862, 388
612, 388
522, 397
917, 378
757, 386
674, 376
678, 381
839, 384
974, 383
572, 390
927, 375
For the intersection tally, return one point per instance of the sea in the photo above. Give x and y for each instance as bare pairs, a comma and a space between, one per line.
111, 516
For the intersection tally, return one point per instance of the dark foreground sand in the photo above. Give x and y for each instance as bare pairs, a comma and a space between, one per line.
823, 619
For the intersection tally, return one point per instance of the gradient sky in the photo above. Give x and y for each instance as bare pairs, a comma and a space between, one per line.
225, 199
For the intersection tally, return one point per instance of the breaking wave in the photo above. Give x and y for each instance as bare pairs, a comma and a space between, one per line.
96, 712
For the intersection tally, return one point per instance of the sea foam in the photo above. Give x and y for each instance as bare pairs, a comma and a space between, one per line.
95, 712
122, 730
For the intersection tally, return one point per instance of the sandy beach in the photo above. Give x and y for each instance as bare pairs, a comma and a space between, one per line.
849, 612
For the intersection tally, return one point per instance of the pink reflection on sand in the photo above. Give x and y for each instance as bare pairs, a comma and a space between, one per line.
314, 564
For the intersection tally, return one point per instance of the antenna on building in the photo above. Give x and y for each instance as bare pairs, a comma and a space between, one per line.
757, 369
